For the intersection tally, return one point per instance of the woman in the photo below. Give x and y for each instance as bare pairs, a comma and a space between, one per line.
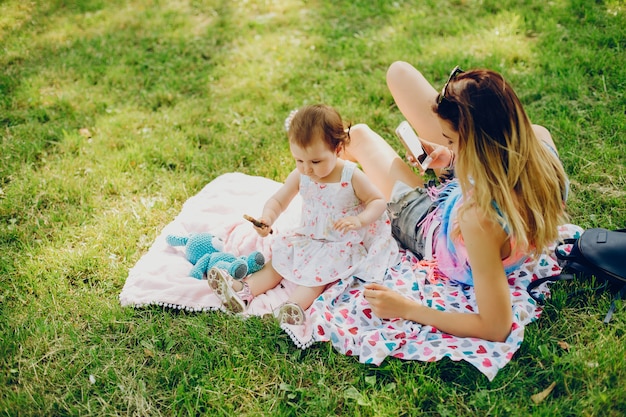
503, 205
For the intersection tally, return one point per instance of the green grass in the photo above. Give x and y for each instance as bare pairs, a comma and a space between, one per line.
113, 113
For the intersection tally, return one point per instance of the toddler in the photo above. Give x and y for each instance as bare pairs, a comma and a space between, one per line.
344, 229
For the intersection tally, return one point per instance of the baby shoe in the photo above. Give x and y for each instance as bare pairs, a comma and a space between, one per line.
290, 313
221, 284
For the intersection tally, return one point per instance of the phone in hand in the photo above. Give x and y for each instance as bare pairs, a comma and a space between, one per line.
413, 145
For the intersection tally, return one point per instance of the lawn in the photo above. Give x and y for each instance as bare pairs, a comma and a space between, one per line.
113, 113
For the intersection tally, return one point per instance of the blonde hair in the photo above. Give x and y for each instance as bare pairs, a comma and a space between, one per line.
502, 167
318, 120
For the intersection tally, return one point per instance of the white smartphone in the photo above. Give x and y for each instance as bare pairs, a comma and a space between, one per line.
413, 145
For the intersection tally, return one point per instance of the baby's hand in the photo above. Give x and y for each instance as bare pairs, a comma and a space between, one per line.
265, 229
261, 225
348, 223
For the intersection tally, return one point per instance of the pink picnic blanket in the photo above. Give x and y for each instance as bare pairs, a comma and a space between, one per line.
340, 315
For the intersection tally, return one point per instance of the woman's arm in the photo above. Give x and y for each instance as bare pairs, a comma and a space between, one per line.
483, 240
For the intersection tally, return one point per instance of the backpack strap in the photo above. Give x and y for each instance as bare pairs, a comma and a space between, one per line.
568, 277
554, 278
620, 294
562, 276
562, 256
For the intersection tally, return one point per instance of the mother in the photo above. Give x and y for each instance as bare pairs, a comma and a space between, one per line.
502, 205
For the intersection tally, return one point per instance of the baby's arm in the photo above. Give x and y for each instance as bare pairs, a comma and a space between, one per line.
279, 202
372, 198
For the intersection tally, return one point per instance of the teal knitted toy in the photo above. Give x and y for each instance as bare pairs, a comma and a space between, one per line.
197, 245
237, 267
205, 251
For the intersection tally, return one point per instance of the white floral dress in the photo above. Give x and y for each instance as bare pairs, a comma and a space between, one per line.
316, 254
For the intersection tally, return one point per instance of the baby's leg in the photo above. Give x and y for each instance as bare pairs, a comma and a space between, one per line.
261, 281
292, 311
304, 296
236, 295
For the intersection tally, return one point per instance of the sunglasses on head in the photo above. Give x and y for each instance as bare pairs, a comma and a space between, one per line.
455, 71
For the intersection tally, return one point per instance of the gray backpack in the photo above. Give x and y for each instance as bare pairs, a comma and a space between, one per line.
598, 252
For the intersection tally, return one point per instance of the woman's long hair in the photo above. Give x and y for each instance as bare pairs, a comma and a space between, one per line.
501, 165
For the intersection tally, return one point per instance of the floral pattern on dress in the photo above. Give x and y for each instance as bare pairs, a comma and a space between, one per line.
316, 254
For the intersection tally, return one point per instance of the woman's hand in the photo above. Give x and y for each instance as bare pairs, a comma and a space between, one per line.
387, 303
442, 156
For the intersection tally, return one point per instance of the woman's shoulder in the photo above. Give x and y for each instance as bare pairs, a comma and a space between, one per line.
478, 221
482, 231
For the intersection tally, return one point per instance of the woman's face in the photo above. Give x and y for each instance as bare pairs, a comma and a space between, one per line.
451, 135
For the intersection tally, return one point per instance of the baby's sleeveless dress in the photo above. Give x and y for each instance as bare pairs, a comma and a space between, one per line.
315, 254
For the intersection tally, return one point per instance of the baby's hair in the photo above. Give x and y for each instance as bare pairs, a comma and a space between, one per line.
315, 121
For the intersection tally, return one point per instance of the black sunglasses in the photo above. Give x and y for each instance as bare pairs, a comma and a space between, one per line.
455, 71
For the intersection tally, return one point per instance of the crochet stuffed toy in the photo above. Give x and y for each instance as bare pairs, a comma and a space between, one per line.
205, 251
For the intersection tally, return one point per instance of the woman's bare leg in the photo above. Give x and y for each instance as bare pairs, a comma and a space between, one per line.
544, 135
415, 97
380, 162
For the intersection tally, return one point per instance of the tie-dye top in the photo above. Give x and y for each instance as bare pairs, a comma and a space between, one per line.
450, 252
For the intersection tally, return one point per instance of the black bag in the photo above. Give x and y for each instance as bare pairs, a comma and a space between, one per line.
597, 252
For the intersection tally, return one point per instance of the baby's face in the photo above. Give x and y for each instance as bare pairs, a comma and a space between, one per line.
316, 161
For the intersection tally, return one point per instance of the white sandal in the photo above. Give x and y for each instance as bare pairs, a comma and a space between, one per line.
220, 283
291, 313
